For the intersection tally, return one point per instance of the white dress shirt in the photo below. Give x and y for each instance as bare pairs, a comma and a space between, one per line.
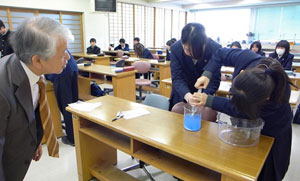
33, 79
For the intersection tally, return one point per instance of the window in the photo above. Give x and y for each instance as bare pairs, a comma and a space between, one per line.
71, 20
168, 26
160, 28
115, 26
175, 24
140, 23
128, 23
149, 27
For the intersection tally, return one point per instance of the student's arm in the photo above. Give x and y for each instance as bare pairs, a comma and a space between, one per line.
97, 50
178, 81
289, 62
214, 84
117, 47
4, 114
223, 105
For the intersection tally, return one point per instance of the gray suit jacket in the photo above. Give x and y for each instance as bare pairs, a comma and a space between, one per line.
18, 125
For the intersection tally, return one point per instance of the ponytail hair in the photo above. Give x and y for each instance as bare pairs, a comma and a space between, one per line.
252, 88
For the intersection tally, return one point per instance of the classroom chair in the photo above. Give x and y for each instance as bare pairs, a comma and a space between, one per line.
158, 101
207, 114
142, 67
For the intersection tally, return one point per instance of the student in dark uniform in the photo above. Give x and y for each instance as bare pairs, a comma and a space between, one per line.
66, 91
122, 46
283, 55
5, 46
256, 47
235, 44
262, 90
188, 58
93, 48
169, 43
136, 40
142, 52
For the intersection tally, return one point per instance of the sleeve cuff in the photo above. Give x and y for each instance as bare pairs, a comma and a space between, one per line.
209, 101
207, 74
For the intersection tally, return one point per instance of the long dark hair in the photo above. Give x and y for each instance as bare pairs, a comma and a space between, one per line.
258, 45
253, 87
139, 50
285, 44
193, 34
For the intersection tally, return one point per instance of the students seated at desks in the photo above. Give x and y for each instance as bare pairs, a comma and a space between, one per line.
93, 48
283, 55
123, 46
189, 56
256, 47
260, 89
235, 44
142, 52
136, 40
5, 46
169, 43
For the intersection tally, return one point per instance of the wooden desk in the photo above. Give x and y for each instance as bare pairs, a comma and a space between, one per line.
100, 60
227, 70
164, 67
296, 65
166, 87
159, 139
115, 52
295, 79
296, 58
54, 110
123, 83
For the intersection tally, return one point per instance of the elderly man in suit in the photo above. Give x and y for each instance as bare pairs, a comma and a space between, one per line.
40, 46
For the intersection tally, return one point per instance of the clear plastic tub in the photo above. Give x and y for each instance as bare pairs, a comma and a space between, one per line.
239, 132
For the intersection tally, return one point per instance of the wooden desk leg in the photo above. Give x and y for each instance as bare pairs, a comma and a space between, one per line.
165, 72
124, 87
90, 151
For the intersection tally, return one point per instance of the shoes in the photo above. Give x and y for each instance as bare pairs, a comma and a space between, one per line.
65, 140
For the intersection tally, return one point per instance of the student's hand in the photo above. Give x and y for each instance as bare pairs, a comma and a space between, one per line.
198, 99
38, 153
202, 82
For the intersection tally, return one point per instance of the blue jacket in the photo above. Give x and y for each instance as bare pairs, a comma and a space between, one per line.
126, 48
185, 73
277, 118
71, 67
285, 62
95, 50
147, 54
168, 57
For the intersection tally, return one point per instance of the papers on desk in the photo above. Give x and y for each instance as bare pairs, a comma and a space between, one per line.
135, 113
133, 59
84, 106
153, 61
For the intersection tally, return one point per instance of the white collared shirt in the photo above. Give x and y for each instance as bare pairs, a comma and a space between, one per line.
33, 79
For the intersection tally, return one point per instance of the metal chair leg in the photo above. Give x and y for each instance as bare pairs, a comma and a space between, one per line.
148, 174
132, 167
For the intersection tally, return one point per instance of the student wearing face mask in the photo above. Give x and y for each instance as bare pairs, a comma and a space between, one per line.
283, 55
189, 56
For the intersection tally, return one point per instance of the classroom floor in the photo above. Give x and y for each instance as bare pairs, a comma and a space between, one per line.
65, 169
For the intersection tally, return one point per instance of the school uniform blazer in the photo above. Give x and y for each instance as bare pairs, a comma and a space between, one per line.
18, 124
261, 53
185, 73
5, 46
147, 54
277, 118
95, 50
285, 62
126, 48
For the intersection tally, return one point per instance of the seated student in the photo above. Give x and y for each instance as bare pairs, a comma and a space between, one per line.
142, 52
235, 44
136, 40
256, 47
93, 48
260, 89
123, 46
282, 54
169, 43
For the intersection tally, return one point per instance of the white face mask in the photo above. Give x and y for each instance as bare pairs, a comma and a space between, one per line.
280, 51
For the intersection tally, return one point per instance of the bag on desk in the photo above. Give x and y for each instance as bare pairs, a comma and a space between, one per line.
96, 90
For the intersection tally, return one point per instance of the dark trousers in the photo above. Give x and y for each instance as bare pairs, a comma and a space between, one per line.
66, 92
297, 116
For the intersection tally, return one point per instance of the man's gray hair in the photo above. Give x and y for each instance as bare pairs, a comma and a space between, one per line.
38, 36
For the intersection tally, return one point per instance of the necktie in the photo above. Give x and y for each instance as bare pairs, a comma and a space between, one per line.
49, 134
